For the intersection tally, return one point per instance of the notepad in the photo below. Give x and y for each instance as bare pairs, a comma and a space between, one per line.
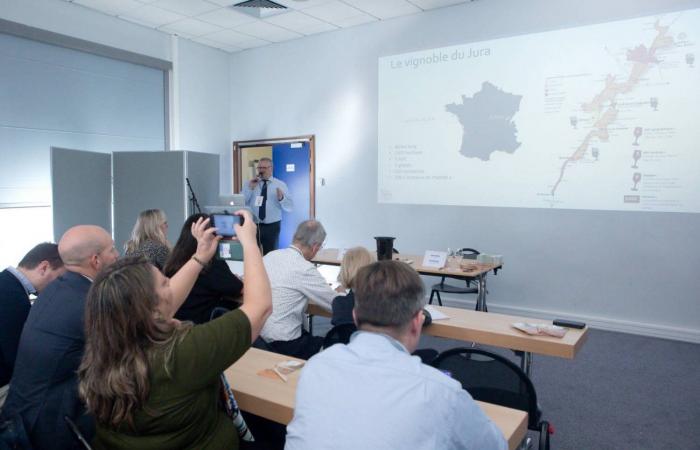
540, 329
435, 314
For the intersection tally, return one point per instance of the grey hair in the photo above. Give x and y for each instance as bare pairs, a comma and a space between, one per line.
309, 233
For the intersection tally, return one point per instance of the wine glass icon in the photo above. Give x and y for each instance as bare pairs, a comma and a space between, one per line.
595, 152
636, 155
636, 178
574, 121
690, 59
654, 102
637, 135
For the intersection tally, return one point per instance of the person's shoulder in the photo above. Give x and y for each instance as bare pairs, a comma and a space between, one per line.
8, 281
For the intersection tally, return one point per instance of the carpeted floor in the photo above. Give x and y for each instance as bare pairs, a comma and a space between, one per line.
621, 392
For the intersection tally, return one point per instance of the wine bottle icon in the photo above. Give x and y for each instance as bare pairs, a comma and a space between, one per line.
636, 156
690, 59
654, 102
573, 120
636, 178
595, 152
637, 135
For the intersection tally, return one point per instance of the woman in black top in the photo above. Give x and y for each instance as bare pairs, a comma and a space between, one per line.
216, 285
353, 260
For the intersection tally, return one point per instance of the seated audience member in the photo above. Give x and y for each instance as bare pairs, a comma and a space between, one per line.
216, 285
34, 272
295, 281
44, 386
372, 393
149, 238
150, 381
353, 260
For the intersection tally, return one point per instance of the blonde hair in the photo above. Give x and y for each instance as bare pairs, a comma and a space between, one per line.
353, 260
147, 228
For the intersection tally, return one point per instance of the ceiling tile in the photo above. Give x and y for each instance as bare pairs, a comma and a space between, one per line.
214, 44
111, 7
386, 9
228, 37
300, 4
253, 43
432, 4
355, 20
191, 27
225, 2
300, 22
226, 18
332, 11
267, 31
186, 7
152, 16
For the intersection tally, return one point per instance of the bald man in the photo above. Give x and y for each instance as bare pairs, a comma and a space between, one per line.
44, 385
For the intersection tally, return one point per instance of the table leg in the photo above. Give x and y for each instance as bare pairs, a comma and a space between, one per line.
311, 324
526, 363
481, 297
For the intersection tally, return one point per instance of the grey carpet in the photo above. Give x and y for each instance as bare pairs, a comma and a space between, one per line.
621, 392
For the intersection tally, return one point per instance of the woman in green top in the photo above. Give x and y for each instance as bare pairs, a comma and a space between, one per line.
150, 381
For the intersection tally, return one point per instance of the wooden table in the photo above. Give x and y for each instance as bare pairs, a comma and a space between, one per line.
496, 330
470, 270
274, 399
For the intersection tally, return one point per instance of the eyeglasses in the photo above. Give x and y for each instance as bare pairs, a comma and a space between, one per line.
264, 167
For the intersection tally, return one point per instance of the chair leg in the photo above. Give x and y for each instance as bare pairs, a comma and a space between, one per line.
432, 293
438, 297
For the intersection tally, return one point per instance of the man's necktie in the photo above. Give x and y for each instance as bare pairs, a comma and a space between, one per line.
263, 192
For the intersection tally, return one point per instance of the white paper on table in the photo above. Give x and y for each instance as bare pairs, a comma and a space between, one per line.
435, 314
434, 259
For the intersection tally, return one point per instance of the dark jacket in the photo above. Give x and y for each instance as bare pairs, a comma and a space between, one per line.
14, 309
215, 287
342, 308
44, 385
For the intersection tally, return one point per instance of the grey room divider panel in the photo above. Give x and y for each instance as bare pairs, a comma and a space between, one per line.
203, 172
145, 180
81, 189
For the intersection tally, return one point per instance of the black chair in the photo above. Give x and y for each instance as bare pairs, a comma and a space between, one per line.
76, 433
339, 334
466, 253
491, 378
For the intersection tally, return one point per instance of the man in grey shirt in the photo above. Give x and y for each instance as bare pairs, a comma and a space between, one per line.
372, 393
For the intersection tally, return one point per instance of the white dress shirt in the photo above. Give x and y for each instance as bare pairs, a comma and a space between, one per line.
273, 206
294, 282
373, 394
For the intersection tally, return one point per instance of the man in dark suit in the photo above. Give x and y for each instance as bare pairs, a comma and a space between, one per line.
44, 386
34, 272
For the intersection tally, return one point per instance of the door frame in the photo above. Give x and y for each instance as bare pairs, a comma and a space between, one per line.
238, 147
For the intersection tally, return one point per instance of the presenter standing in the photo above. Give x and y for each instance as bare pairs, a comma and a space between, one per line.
267, 196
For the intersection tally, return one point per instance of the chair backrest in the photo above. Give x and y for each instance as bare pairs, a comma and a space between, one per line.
339, 334
491, 378
218, 312
77, 434
468, 253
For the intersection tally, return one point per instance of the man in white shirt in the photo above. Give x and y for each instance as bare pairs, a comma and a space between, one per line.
267, 196
295, 281
372, 393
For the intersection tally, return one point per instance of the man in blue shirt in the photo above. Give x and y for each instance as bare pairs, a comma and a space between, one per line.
267, 196
372, 393
39, 267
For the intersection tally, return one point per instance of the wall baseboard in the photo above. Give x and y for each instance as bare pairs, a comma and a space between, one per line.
597, 322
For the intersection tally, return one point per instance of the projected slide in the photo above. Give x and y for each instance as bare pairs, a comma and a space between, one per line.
600, 117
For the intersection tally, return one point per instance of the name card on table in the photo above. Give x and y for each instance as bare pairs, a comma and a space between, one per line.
434, 259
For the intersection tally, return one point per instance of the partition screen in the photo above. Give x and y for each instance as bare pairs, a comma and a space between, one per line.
597, 117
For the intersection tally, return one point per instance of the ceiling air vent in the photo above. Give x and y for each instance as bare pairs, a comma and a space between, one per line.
259, 9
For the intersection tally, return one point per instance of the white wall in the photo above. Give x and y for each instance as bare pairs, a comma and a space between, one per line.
626, 271
204, 103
